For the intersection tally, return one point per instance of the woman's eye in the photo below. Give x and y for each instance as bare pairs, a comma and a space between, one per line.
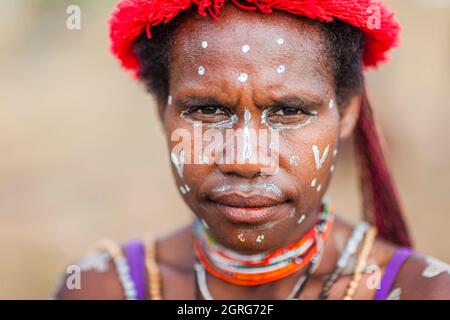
286, 116
207, 114
287, 111
209, 110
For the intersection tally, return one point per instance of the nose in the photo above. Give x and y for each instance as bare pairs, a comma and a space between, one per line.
248, 171
249, 148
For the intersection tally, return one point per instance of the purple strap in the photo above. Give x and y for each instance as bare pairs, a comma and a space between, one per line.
390, 274
135, 253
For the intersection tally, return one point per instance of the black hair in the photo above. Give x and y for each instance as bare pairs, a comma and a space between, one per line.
345, 49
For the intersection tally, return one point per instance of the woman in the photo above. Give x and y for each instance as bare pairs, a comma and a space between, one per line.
284, 80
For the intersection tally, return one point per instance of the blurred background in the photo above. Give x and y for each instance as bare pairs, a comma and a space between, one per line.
82, 155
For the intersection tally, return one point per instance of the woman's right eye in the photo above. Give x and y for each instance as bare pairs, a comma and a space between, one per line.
207, 114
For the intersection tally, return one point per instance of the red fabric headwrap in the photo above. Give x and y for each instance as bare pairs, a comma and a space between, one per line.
382, 207
131, 17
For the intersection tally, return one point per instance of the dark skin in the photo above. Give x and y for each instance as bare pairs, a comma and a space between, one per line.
307, 78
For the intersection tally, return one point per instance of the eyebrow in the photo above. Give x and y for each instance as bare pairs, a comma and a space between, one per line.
195, 100
294, 100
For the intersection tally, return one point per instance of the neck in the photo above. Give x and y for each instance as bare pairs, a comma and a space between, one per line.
253, 270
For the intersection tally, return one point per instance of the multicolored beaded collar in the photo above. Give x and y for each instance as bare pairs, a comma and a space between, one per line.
252, 270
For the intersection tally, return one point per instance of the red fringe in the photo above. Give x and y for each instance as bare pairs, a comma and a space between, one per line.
380, 201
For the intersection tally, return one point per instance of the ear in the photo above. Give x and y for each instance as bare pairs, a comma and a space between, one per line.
349, 116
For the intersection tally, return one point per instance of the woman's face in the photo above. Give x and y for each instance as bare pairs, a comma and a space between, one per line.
252, 125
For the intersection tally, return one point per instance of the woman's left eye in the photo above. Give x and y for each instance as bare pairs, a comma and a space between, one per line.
289, 116
288, 111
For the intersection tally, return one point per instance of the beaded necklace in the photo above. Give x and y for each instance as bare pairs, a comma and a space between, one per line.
252, 270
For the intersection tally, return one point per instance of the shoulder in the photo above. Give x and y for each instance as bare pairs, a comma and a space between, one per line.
96, 275
423, 277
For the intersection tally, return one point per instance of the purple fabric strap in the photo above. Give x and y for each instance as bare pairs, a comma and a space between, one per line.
135, 253
390, 274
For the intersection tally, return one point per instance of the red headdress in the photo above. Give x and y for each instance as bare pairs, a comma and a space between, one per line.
131, 17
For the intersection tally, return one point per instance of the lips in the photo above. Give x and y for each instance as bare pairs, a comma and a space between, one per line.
249, 206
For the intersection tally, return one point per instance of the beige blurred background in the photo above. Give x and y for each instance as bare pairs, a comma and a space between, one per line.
82, 155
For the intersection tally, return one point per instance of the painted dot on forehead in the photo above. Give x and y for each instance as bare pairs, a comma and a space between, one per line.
245, 48
281, 68
280, 41
243, 77
201, 70
204, 44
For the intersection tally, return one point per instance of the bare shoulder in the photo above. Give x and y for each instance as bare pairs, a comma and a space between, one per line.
93, 277
423, 278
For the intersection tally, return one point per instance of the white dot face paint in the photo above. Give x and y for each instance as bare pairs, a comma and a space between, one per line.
245, 48
201, 70
313, 182
241, 237
335, 152
260, 238
331, 104
243, 77
332, 168
178, 162
280, 41
319, 187
301, 219
182, 190
204, 44
169, 100
320, 159
281, 68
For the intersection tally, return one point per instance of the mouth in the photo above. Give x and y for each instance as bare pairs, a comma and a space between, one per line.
252, 205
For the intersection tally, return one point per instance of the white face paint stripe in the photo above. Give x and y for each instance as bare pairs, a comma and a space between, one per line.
178, 162
331, 104
301, 219
247, 143
313, 182
319, 187
320, 159
169, 100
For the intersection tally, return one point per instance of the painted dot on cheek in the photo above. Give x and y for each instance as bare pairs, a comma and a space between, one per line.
204, 44
281, 68
243, 77
201, 70
313, 182
245, 48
